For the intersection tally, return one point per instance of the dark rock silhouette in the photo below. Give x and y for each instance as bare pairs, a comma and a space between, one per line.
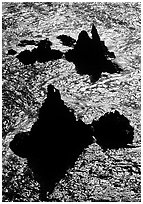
23, 43
55, 141
11, 52
113, 131
26, 57
67, 40
43, 53
91, 56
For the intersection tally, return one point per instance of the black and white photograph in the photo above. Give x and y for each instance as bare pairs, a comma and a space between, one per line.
71, 101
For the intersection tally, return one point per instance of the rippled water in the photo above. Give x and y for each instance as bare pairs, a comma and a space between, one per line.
24, 87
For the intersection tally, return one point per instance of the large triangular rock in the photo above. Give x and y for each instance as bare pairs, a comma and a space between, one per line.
91, 56
55, 141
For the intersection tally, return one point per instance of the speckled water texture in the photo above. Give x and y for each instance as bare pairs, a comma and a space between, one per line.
114, 175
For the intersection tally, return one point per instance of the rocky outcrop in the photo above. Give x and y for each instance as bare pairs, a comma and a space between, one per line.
43, 53
55, 141
91, 56
113, 130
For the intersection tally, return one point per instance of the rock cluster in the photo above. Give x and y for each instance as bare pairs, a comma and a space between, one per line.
56, 139
90, 56
43, 53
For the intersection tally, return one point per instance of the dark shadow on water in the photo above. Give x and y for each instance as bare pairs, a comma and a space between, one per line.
113, 131
91, 56
54, 142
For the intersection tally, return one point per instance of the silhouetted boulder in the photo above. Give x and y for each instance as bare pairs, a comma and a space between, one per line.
55, 141
43, 53
113, 130
11, 52
67, 40
90, 56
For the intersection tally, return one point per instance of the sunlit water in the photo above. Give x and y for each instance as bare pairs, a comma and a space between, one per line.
24, 88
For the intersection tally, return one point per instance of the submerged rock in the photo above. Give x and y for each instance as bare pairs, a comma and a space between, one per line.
113, 130
90, 55
55, 141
